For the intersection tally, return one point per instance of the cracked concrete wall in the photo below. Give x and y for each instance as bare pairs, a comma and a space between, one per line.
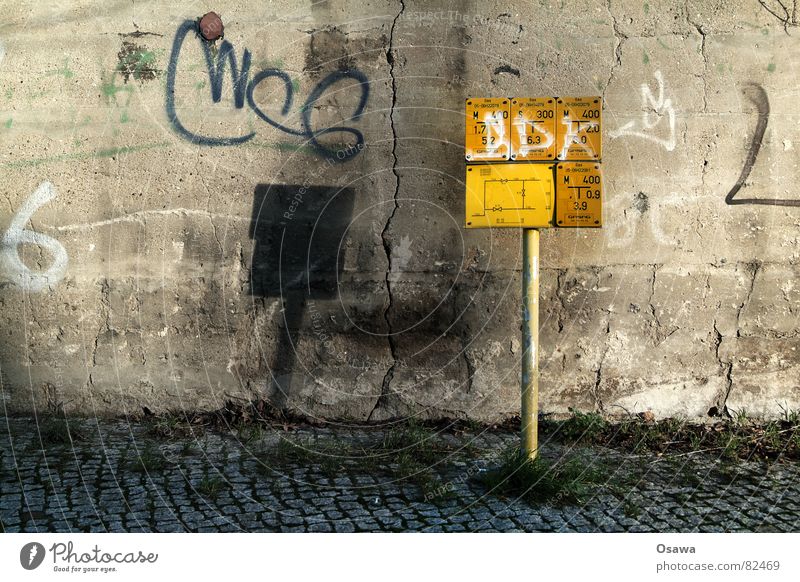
158, 242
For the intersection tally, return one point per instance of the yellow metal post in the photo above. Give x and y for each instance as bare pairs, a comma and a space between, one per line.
530, 341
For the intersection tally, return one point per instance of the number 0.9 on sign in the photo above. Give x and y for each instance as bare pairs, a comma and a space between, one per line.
579, 194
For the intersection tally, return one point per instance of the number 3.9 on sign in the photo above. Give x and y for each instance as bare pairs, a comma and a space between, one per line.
579, 195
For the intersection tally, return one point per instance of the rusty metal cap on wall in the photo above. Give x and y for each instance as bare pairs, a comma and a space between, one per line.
211, 26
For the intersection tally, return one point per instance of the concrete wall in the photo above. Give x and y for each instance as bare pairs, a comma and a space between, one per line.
158, 240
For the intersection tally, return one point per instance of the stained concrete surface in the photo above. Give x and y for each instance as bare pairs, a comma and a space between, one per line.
131, 277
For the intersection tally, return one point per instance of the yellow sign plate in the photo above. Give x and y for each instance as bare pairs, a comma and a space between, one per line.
579, 128
579, 194
533, 128
509, 195
487, 136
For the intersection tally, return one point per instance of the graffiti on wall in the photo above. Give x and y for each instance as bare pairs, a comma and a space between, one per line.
658, 108
243, 91
654, 110
16, 235
758, 96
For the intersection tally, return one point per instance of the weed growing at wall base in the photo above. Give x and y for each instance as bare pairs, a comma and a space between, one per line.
149, 460
582, 425
739, 437
57, 431
562, 482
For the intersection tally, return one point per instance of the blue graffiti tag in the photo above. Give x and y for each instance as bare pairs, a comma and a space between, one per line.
244, 87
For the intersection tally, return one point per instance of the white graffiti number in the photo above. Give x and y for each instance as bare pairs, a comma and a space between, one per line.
17, 235
654, 111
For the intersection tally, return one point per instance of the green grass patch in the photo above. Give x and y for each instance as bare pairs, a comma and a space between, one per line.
538, 481
150, 460
56, 430
582, 426
210, 486
329, 456
170, 426
737, 437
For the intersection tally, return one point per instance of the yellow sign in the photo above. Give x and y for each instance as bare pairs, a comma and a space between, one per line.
579, 189
509, 195
533, 128
579, 128
487, 136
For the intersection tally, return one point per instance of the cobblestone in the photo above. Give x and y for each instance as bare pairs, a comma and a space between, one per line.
211, 482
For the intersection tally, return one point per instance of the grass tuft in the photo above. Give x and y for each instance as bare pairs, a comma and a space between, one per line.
582, 426
564, 482
150, 460
737, 437
330, 456
210, 486
56, 430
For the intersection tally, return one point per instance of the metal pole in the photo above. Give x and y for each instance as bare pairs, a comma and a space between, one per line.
530, 341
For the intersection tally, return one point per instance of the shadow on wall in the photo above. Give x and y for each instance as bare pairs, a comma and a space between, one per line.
297, 233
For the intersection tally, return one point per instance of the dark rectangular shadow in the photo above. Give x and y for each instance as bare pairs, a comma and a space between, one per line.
297, 234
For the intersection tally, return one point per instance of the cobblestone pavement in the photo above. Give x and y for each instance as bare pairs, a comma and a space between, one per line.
120, 477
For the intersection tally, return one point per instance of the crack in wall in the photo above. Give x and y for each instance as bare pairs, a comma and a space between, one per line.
210, 215
715, 265
726, 367
216, 238
467, 338
561, 274
661, 333
619, 37
720, 408
704, 76
598, 401
387, 247
105, 326
755, 266
470, 369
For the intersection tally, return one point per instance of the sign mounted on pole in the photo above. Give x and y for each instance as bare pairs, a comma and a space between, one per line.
487, 137
533, 128
579, 187
510, 195
552, 147
579, 132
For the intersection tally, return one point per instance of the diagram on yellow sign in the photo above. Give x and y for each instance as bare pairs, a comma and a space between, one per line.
519, 195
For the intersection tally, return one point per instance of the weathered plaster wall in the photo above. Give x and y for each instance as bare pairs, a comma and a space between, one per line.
142, 222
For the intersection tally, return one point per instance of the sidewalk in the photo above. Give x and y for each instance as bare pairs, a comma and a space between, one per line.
125, 477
